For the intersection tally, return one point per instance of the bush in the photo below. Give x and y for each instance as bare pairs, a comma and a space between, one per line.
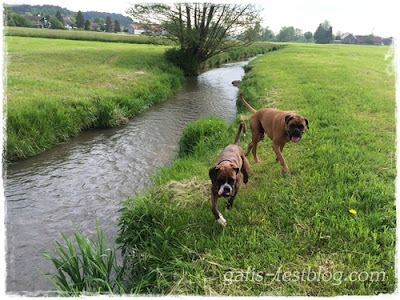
202, 130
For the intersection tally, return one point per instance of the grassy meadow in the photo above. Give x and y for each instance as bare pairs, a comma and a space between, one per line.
326, 229
56, 88
81, 35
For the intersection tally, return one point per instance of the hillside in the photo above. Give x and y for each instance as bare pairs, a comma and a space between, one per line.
52, 10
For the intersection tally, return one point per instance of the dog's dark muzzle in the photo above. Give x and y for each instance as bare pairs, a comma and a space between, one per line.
295, 135
227, 191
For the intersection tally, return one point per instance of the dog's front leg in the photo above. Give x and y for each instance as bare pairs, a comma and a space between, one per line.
279, 157
229, 205
214, 207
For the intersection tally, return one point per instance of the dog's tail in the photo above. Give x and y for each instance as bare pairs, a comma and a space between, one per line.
247, 105
242, 126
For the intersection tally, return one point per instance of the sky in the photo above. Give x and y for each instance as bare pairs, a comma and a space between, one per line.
353, 16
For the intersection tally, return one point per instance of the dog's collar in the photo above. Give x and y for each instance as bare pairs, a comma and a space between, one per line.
221, 161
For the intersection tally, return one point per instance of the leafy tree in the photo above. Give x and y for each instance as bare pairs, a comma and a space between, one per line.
108, 24
55, 23
286, 34
370, 40
267, 35
117, 26
298, 35
59, 17
308, 36
80, 20
254, 33
88, 25
323, 35
13, 19
99, 21
201, 30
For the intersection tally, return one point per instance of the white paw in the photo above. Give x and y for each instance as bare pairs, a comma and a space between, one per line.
221, 220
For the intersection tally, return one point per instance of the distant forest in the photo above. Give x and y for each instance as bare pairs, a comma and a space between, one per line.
52, 10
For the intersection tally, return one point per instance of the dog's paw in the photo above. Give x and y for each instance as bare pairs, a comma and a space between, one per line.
221, 221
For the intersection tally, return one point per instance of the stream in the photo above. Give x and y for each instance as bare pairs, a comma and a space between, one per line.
85, 179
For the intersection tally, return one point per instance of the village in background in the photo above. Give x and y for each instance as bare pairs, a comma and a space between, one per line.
55, 17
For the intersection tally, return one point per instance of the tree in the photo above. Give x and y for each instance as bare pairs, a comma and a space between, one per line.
308, 36
201, 30
80, 20
108, 24
13, 19
88, 25
370, 40
286, 34
267, 35
117, 26
323, 35
55, 23
59, 17
99, 21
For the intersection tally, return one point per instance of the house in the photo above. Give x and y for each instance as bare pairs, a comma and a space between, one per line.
369, 40
146, 29
39, 21
67, 23
348, 38
136, 29
387, 41
96, 27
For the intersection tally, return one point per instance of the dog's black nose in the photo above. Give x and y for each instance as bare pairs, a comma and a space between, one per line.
227, 189
296, 133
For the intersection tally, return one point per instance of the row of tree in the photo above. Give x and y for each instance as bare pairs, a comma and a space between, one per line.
108, 25
58, 22
322, 35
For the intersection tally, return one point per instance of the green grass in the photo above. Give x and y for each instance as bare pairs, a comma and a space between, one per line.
56, 88
290, 224
85, 267
85, 35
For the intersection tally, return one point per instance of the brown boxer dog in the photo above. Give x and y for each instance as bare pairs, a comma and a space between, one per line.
280, 126
226, 175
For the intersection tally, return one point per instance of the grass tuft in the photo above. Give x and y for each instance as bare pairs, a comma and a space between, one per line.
85, 267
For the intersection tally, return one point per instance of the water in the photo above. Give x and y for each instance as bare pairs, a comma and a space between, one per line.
85, 179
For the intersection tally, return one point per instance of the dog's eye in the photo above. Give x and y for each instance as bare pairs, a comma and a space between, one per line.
231, 181
220, 181
301, 127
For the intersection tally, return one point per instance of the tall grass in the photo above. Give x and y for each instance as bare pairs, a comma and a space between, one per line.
85, 267
335, 214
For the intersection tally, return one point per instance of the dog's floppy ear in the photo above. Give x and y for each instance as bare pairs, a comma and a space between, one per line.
213, 174
306, 123
288, 118
235, 168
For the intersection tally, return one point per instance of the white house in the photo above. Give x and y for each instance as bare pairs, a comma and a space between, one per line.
136, 29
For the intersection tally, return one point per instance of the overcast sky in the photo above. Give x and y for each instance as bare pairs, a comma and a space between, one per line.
354, 16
